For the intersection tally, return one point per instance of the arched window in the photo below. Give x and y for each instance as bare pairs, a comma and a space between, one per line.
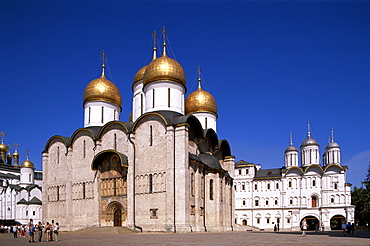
211, 189
332, 200
313, 183
277, 186
268, 186
335, 186
169, 97
243, 202
246, 171
290, 183
255, 187
151, 136
244, 222
84, 151
314, 201
192, 183
150, 183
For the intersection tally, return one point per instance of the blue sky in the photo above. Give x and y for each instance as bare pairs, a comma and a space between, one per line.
272, 66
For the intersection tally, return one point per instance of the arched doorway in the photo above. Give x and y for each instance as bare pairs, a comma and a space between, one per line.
312, 222
336, 222
244, 222
117, 217
112, 167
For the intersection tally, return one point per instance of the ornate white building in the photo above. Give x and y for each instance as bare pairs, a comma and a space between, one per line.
285, 196
20, 188
164, 170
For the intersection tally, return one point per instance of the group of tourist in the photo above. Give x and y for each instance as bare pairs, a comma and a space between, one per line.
36, 230
348, 229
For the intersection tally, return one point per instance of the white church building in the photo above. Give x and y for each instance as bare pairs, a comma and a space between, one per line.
283, 197
20, 188
164, 170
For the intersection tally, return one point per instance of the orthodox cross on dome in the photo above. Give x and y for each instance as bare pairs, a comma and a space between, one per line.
199, 79
27, 153
155, 37
309, 130
2, 136
332, 134
164, 39
291, 139
16, 147
103, 56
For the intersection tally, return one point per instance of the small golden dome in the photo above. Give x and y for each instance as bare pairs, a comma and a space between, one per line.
164, 68
16, 155
101, 89
200, 101
28, 163
140, 74
3, 148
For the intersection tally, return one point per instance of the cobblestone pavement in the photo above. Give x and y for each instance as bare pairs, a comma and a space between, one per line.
224, 238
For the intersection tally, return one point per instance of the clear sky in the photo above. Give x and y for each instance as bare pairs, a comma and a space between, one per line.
272, 66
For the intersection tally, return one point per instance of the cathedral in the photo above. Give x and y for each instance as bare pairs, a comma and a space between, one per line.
20, 188
164, 170
280, 198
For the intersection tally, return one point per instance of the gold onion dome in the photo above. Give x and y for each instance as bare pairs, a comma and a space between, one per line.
101, 89
139, 75
200, 101
27, 163
15, 154
3, 148
164, 68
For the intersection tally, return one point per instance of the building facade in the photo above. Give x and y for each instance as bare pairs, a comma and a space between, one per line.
162, 171
283, 197
20, 188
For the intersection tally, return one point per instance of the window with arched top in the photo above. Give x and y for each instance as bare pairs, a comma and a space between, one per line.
268, 186
290, 184
314, 201
313, 183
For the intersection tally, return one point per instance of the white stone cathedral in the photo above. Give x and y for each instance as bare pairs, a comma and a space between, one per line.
282, 197
164, 170
20, 188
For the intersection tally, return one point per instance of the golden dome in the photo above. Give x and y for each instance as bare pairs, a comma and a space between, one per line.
140, 74
3, 148
16, 155
200, 101
28, 163
164, 68
101, 89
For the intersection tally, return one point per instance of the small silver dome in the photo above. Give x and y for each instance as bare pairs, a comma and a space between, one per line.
332, 145
308, 142
291, 148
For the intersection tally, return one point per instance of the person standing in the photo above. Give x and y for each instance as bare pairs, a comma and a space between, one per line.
304, 227
15, 231
31, 231
47, 231
56, 231
40, 227
344, 228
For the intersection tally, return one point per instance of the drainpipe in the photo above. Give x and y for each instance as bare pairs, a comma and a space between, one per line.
133, 188
174, 178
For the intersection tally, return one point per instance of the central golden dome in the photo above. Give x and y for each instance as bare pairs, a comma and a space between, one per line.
101, 89
3, 148
164, 68
200, 101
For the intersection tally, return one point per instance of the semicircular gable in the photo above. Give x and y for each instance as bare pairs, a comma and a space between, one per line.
225, 148
83, 132
212, 140
334, 168
147, 117
314, 168
294, 170
98, 158
195, 127
118, 125
56, 138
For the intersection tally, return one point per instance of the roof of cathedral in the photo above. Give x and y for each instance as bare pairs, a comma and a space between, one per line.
9, 176
243, 163
164, 68
274, 173
332, 145
200, 101
101, 89
35, 200
309, 141
210, 160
